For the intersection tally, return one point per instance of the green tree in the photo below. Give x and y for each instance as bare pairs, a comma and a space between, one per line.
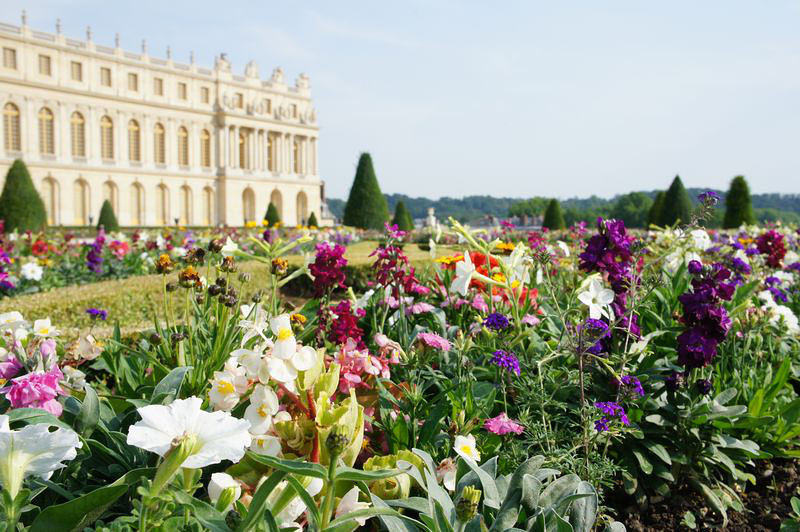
677, 205
271, 215
366, 206
107, 220
21, 207
738, 207
402, 218
632, 208
312, 220
654, 215
553, 218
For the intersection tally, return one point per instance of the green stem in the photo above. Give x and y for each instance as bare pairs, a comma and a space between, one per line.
330, 494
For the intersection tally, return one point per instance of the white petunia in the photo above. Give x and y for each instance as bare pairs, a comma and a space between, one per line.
220, 436
44, 328
350, 503
783, 314
220, 482
464, 272
597, 298
33, 450
700, 239
465, 446
263, 405
230, 248
31, 271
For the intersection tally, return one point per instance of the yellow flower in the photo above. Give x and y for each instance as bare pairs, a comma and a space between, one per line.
449, 260
505, 246
499, 277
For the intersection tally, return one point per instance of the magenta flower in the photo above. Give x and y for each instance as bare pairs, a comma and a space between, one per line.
9, 367
503, 424
434, 340
37, 390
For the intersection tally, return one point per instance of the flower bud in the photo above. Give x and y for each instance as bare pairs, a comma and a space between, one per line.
228, 265
215, 246
257, 296
182, 448
155, 338
245, 277
280, 266
164, 264
337, 441
172, 286
467, 504
223, 490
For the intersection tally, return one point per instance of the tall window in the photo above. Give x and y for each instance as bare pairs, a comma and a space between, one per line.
50, 197
296, 156
78, 130
159, 151
205, 148
294, 110
110, 193
105, 76
239, 100
137, 204
10, 58
182, 91
302, 208
162, 207
11, 127
208, 206
76, 69
45, 65
249, 205
186, 205
158, 86
205, 95
133, 82
183, 146
134, 141
47, 141
106, 138
81, 202
271, 153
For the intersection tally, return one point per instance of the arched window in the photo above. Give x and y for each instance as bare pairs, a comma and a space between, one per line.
50, 197
296, 155
243, 162
302, 208
106, 138
134, 141
81, 202
183, 146
137, 204
277, 199
208, 206
78, 130
249, 205
162, 205
205, 148
11, 128
186, 205
159, 150
110, 193
47, 134
271, 153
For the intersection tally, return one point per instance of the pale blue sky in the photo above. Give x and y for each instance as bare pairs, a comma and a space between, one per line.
506, 98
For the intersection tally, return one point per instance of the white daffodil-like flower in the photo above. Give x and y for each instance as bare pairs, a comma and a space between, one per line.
597, 298
33, 450
465, 446
227, 386
254, 322
563, 247
464, 272
44, 328
230, 248
361, 302
266, 444
350, 503
286, 359
219, 436
31, 271
263, 405
517, 267
11, 320
220, 482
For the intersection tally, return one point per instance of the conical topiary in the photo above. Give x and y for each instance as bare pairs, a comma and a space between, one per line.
366, 206
738, 208
402, 218
677, 205
272, 216
553, 218
312, 220
654, 216
21, 207
107, 220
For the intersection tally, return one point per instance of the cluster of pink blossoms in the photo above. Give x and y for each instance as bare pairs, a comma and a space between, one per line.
358, 365
37, 390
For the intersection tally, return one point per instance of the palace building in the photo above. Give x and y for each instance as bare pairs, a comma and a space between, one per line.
164, 142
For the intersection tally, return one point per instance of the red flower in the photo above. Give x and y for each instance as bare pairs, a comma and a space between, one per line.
40, 248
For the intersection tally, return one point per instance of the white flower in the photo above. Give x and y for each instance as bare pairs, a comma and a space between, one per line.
597, 299
464, 271
563, 247
230, 248
31, 271
465, 447
263, 405
287, 517
446, 474
285, 343
254, 322
266, 444
44, 328
700, 239
220, 436
11, 320
75, 378
33, 450
785, 277
518, 270
249, 359
286, 359
220, 482
350, 503
783, 314
361, 302
227, 386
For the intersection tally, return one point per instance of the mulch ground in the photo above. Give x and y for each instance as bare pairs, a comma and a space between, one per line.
766, 504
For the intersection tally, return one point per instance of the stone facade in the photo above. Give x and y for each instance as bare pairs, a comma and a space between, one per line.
164, 142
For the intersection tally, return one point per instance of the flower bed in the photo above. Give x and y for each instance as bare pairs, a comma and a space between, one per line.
516, 384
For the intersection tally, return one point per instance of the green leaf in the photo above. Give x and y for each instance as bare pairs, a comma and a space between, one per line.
713, 501
644, 463
78, 513
311, 507
258, 506
169, 387
558, 490
659, 450
89, 415
348, 473
490, 494
206, 515
583, 512
298, 467
365, 513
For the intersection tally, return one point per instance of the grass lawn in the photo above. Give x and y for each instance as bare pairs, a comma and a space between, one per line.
134, 301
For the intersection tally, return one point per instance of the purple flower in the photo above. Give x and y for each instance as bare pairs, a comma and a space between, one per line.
97, 314
94, 258
9, 367
673, 381
632, 385
328, 268
508, 361
610, 410
496, 322
709, 197
37, 390
593, 331
695, 267
393, 231
703, 386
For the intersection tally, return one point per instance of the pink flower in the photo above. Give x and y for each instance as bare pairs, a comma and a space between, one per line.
434, 340
479, 304
9, 367
502, 424
37, 390
530, 319
419, 308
